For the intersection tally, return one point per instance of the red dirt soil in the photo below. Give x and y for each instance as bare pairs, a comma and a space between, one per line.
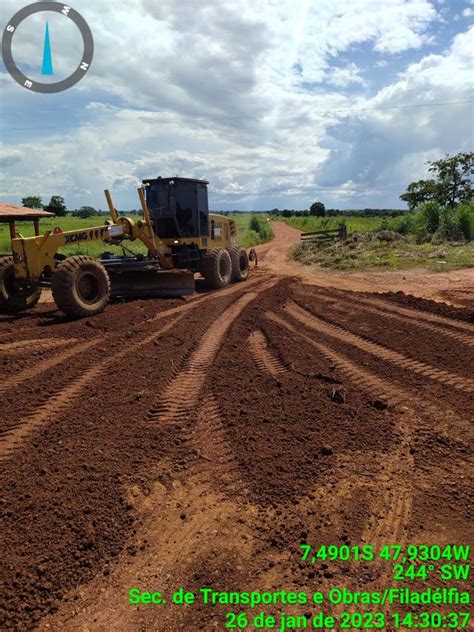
200, 442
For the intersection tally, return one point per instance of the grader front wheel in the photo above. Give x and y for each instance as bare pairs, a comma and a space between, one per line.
81, 287
14, 298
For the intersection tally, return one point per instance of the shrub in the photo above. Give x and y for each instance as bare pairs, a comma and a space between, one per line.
260, 226
254, 224
465, 220
447, 228
403, 224
258, 231
427, 216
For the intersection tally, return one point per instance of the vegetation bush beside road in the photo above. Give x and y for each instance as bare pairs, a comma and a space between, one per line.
256, 230
437, 231
385, 249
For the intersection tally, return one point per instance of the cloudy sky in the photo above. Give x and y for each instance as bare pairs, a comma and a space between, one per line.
277, 103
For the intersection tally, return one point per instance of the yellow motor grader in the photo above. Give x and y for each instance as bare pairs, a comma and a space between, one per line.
181, 236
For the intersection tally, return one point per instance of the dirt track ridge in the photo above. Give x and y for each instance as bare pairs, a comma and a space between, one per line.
417, 314
317, 324
182, 394
44, 365
263, 357
35, 344
381, 308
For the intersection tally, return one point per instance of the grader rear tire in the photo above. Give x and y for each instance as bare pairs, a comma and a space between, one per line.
80, 286
216, 268
14, 299
240, 263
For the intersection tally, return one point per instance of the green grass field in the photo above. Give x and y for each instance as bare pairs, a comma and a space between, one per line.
93, 249
247, 237
353, 223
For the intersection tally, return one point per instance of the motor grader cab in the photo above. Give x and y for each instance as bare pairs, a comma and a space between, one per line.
181, 236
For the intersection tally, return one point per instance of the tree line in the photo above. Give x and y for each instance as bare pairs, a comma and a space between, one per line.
334, 212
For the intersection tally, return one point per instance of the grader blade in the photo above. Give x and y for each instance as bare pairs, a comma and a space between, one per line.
152, 284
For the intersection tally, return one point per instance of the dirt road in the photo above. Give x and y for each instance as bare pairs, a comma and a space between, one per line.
198, 443
455, 286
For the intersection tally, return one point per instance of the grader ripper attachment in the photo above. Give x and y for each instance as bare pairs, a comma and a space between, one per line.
181, 236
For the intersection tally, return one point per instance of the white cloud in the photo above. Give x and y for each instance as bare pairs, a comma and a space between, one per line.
386, 145
9, 157
233, 92
342, 77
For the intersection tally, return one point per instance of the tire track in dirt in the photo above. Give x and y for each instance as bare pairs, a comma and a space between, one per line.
197, 300
394, 506
189, 304
263, 357
361, 377
412, 313
44, 365
14, 437
384, 353
64, 396
208, 442
448, 422
463, 296
377, 308
181, 396
35, 344
190, 510
29, 329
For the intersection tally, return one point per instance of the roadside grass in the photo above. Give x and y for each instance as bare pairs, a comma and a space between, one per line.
247, 237
366, 250
353, 223
253, 229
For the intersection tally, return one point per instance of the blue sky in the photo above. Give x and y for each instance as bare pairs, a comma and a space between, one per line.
277, 103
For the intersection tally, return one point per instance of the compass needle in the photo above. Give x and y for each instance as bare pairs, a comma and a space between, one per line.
47, 66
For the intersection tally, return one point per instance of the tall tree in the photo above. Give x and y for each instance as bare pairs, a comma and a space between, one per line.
318, 209
56, 205
85, 211
420, 191
454, 176
32, 201
452, 184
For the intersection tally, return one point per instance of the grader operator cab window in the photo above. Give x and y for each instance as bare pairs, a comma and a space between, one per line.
178, 206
